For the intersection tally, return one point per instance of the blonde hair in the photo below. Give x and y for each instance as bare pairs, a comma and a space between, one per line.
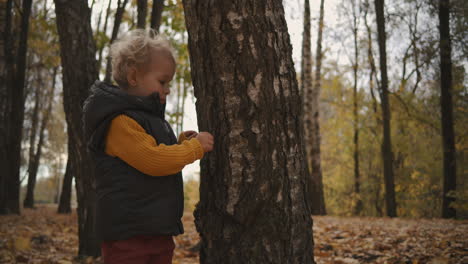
134, 50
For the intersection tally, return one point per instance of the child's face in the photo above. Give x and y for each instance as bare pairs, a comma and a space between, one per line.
155, 78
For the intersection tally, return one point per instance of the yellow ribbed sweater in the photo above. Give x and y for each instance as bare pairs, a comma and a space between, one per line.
129, 141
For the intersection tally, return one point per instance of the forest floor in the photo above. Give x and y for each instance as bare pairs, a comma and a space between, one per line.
42, 236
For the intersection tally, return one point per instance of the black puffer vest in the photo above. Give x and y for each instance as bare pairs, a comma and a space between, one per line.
130, 202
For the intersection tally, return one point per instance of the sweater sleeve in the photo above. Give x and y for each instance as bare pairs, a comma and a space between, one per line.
129, 141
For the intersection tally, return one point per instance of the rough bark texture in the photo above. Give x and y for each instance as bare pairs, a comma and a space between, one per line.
318, 200
142, 6
448, 134
387, 154
77, 49
156, 13
253, 200
14, 115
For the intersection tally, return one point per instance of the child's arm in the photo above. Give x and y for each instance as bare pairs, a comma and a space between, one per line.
129, 141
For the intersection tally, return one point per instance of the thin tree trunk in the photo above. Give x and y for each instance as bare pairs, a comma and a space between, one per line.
370, 58
387, 154
318, 200
115, 31
77, 49
16, 117
307, 100
357, 174
64, 206
156, 13
29, 199
448, 134
104, 31
142, 6
255, 179
35, 159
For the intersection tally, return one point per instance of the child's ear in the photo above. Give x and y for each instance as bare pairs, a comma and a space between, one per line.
132, 77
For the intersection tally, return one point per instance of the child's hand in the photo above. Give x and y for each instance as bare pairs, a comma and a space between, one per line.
190, 134
206, 140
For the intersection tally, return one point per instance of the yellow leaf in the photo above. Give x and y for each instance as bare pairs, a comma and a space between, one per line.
22, 243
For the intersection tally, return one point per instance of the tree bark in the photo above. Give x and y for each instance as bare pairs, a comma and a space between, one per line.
142, 6
318, 200
387, 154
77, 49
253, 192
448, 134
15, 111
306, 89
156, 13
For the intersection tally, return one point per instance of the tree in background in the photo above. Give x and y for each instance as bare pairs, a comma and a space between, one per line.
142, 6
115, 30
317, 196
255, 179
43, 68
307, 97
156, 13
387, 155
448, 134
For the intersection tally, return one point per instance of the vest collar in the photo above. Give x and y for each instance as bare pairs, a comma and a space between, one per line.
150, 103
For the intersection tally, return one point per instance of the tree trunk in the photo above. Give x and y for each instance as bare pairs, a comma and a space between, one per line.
448, 134
36, 157
370, 58
357, 174
318, 200
77, 49
29, 199
387, 154
307, 100
6, 66
65, 196
15, 113
253, 192
156, 13
142, 6
115, 31
104, 31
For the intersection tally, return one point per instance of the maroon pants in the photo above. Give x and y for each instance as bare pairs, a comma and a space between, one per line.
142, 249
